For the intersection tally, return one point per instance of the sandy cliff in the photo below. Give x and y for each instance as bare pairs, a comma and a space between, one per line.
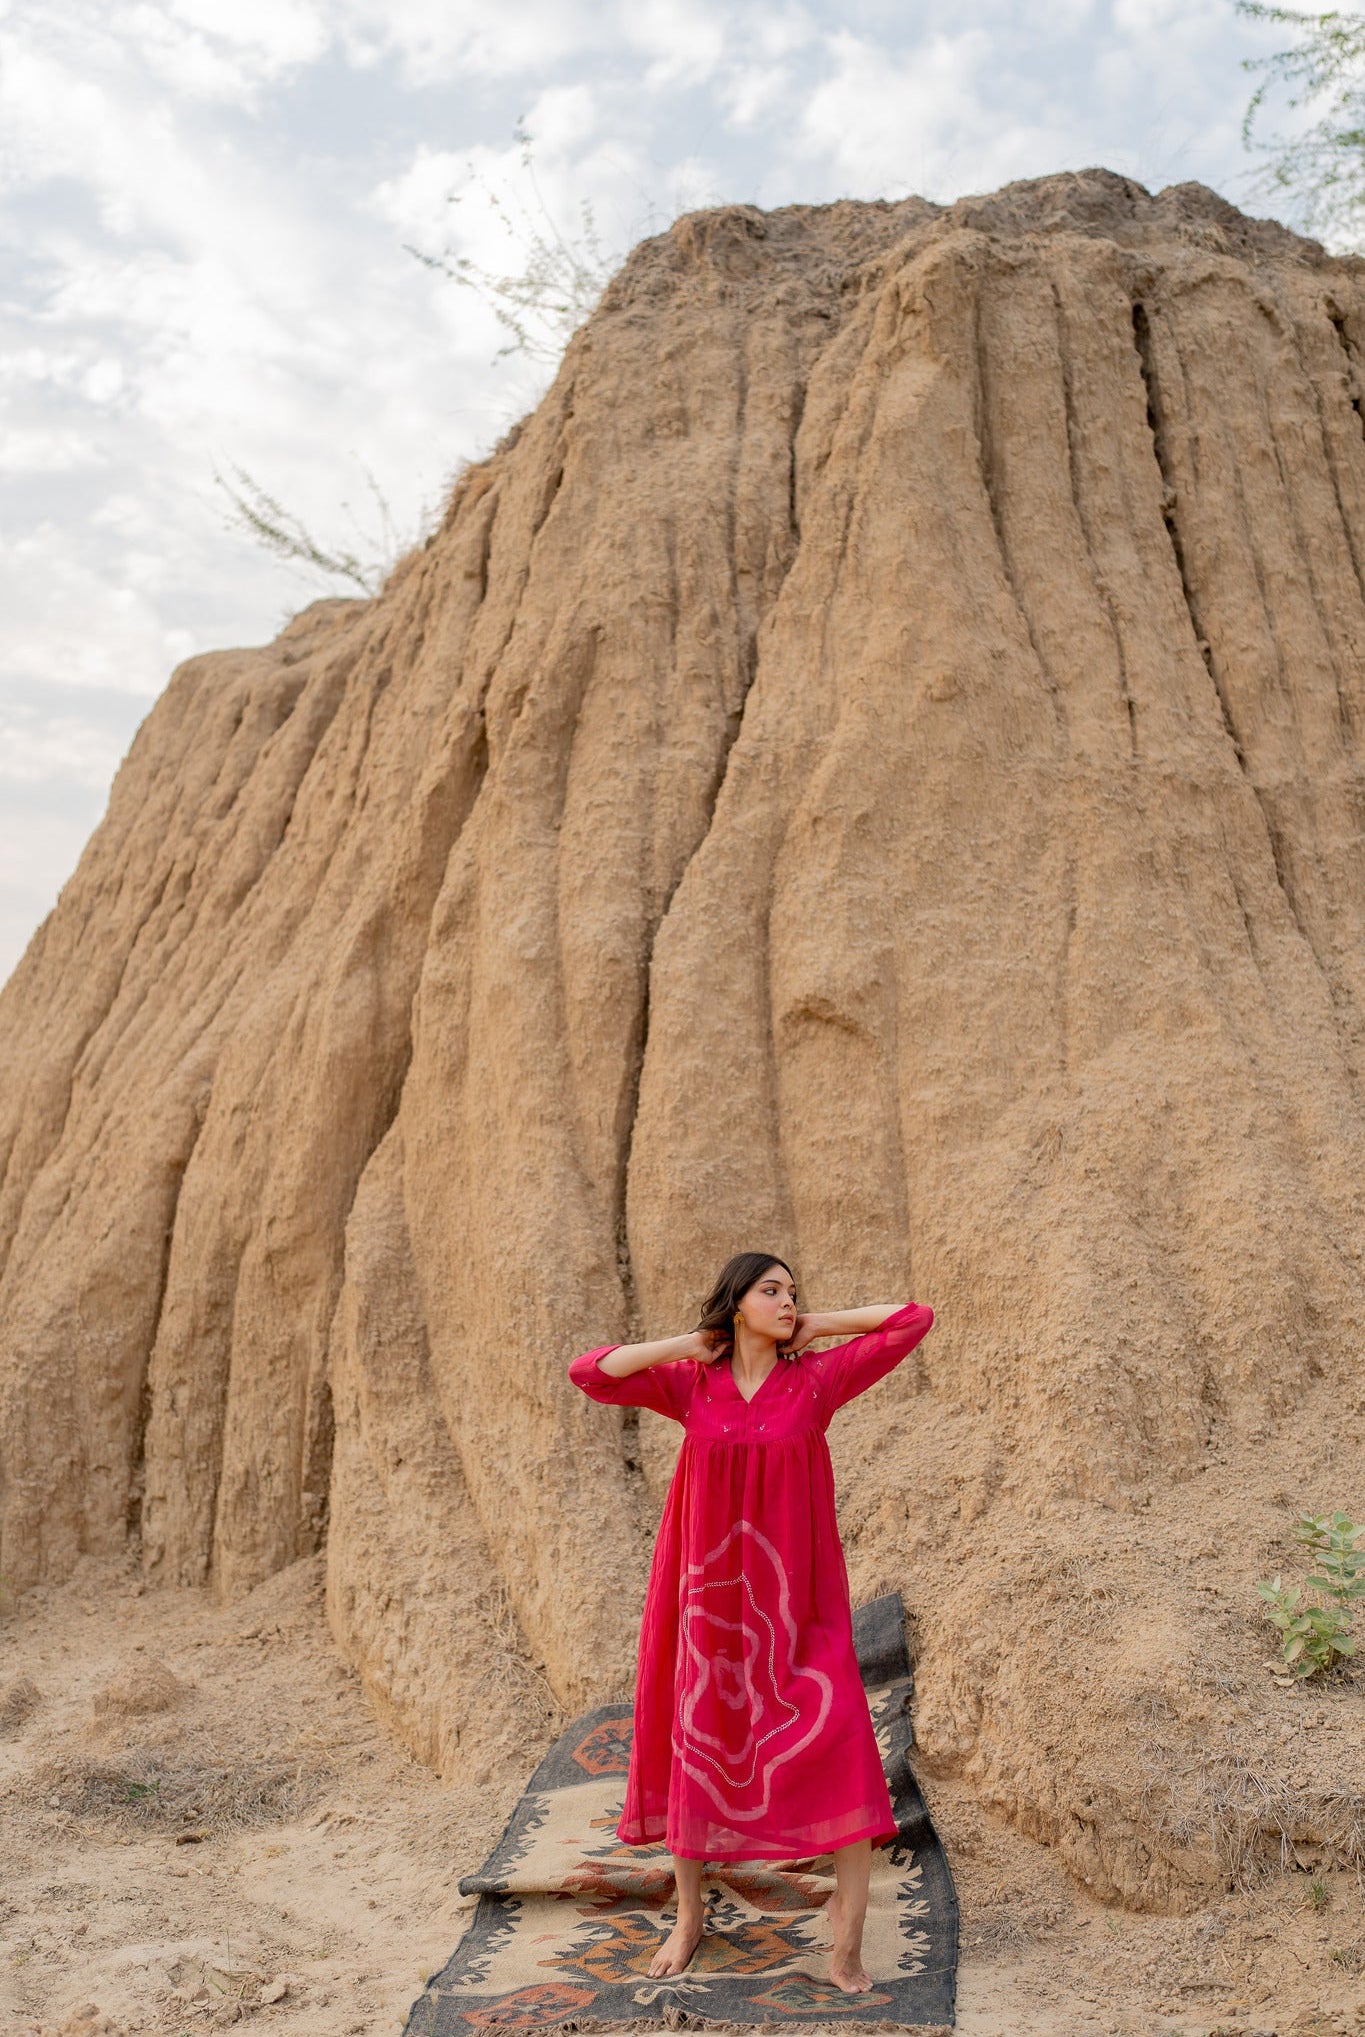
874, 765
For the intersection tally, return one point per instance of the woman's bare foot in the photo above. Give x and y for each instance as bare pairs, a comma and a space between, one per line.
675, 1954
846, 1967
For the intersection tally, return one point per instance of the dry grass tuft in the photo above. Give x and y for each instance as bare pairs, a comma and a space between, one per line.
142, 1791
1259, 1824
139, 1689
18, 1702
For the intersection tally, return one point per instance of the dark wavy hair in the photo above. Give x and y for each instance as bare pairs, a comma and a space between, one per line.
728, 1290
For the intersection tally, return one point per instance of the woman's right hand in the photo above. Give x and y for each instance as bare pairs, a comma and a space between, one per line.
705, 1345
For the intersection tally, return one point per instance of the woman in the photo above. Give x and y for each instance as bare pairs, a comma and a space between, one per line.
752, 1735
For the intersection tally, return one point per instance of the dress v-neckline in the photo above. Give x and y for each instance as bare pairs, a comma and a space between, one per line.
750, 1398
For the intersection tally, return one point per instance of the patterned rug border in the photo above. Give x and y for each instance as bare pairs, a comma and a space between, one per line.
683, 2019
879, 1635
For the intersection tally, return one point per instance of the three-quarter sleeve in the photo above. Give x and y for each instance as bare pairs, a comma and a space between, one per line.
846, 1370
667, 1389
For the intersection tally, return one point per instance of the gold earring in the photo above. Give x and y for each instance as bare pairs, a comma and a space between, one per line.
739, 1320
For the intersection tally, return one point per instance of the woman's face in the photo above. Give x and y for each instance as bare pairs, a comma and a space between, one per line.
769, 1306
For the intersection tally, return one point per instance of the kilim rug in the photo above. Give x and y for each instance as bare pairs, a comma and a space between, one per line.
569, 1919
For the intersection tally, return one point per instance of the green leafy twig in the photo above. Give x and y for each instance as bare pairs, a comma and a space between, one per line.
1332, 1539
1321, 172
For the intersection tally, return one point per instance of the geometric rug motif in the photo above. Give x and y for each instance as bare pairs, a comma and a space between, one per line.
568, 1918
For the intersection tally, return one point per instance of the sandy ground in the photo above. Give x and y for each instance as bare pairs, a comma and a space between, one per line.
260, 1851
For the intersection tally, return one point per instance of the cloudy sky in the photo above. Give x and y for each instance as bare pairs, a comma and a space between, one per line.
205, 211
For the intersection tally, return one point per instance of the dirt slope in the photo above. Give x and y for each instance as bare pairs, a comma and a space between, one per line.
259, 1855
874, 766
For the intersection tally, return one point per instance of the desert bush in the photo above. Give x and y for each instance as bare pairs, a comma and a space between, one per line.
1317, 1638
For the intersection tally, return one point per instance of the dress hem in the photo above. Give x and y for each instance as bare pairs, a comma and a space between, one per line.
880, 1834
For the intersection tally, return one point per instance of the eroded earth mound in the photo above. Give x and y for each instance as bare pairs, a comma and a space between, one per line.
872, 767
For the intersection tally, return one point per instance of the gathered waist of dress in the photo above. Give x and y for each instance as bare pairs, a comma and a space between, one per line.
745, 1436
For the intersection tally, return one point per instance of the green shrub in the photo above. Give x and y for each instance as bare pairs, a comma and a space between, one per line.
1315, 1638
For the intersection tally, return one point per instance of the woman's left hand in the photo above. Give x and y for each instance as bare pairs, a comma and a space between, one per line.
806, 1331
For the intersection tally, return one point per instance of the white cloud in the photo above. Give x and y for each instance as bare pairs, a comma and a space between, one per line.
749, 92
1142, 17
417, 201
437, 41
57, 748
203, 207
44, 450
95, 623
274, 35
564, 120
684, 40
887, 127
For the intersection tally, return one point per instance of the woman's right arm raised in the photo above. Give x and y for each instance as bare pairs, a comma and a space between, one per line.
654, 1375
628, 1358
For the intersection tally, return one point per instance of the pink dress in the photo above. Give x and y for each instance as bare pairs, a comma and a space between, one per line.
753, 1739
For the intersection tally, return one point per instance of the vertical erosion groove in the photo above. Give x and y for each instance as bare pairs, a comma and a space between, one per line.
137, 1462
340, 670
734, 722
38, 1161
1253, 946
988, 465
1161, 447
1082, 521
1338, 320
1352, 379
485, 554
561, 460
1156, 425
1064, 967
539, 520
10, 1149
630, 1443
793, 516
1286, 335
625, 1266
137, 1457
732, 488
317, 1445
446, 802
